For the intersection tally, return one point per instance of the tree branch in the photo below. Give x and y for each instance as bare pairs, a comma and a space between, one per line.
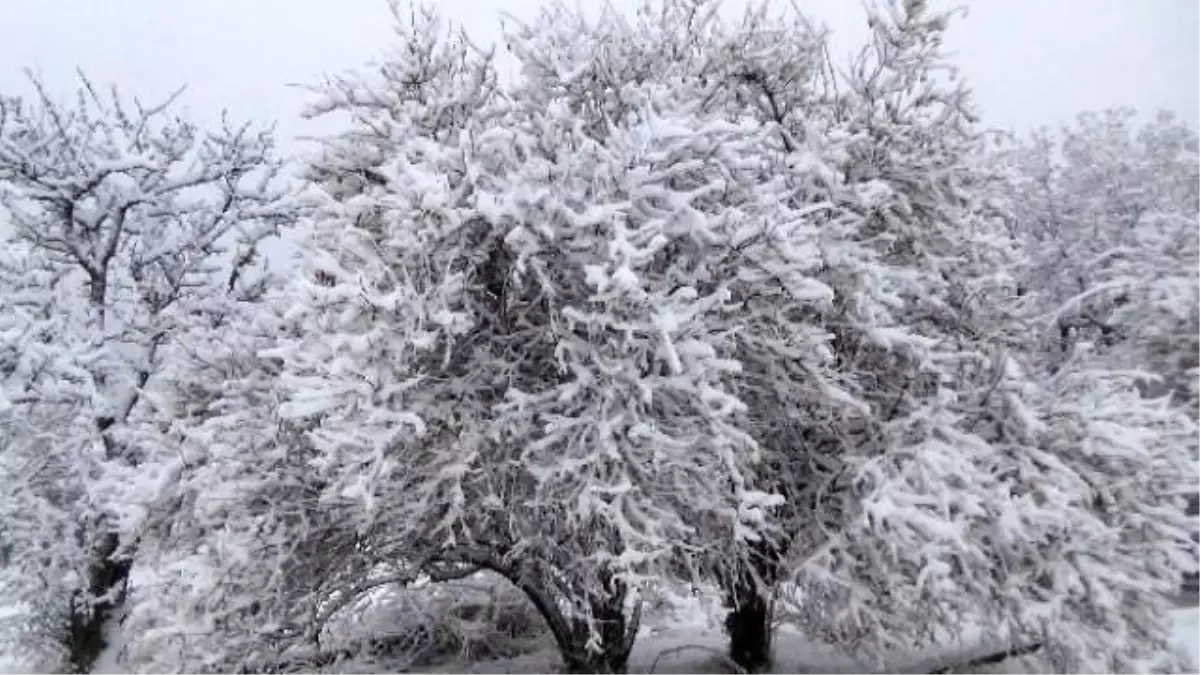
989, 659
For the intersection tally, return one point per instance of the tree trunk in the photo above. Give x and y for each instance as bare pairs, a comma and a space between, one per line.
750, 614
749, 627
107, 574
571, 636
616, 633
612, 657
93, 607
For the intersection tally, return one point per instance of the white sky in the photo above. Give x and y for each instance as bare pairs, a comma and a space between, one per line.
1031, 62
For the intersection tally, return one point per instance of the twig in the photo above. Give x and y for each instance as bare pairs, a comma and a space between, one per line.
989, 659
725, 660
350, 595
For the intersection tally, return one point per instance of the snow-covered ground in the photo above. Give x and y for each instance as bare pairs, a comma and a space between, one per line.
689, 640
697, 649
1187, 633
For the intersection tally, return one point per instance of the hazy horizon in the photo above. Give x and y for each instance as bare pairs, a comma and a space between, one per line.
1030, 63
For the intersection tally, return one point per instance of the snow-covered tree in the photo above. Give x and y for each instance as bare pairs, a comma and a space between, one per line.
1108, 212
879, 246
515, 355
950, 500
930, 405
125, 221
675, 299
238, 539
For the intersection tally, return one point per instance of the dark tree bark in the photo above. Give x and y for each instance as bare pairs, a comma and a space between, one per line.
107, 576
749, 627
571, 636
750, 613
104, 588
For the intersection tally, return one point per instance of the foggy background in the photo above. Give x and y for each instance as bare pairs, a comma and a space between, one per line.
1030, 62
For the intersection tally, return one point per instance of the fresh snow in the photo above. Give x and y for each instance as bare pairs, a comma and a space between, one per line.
687, 640
679, 300
694, 650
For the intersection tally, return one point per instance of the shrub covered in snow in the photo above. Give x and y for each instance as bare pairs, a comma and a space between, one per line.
675, 304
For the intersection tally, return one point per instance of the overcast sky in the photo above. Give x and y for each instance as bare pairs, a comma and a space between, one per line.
1031, 62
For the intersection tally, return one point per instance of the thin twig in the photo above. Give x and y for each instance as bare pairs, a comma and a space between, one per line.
989, 659
725, 660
